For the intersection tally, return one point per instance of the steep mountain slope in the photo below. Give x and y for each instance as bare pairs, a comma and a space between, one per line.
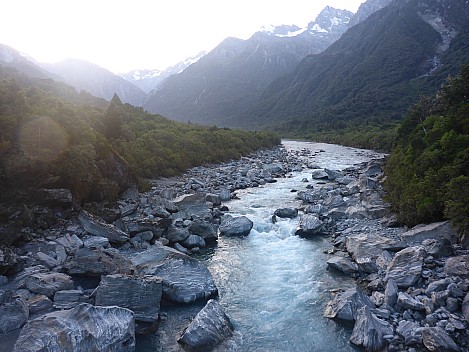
96, 80
10, 57
148, 80
373, 73
233, 75
366, 9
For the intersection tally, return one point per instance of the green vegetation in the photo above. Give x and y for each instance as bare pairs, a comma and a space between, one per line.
428, 170
51, 136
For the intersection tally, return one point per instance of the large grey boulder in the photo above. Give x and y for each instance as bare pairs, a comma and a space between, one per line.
239, 226
14, 312
410, 331
309, 225
185, 279
406, 266
345, 305
436, 340
83, 328
210, 327
97, 262
286, 213
319, 174
369, 330
434, 231
98, 227
142, 295
177, 234
48, 284
67, 299
458, 266
342, 264
365, 249
186, 201
204, 229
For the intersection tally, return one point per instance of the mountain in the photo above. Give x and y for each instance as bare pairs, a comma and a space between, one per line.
148, 80
232, 77
366, 9
372, 74
96, 80
10, 57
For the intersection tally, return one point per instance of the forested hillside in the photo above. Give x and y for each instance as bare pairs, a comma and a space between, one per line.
428, 170
53, 137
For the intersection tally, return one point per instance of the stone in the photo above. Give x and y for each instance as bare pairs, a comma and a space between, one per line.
55, 196
406, 301
465, 307
67, 299
213, 198
309, 225
10, 262
181, 248
377, 298
39, 304
239, 226
342, 264
458, 266
286, 213
14, 312
97, 262
177, 234
83, 328
98, 227
410, 331
406, 267
319, 174
345, 305
193, 241
435, 286
185, 279
332, 174
390, 293
436, 339
71, 243
365, 250
209, 327
189, 200
47, 260
273, 168
48, 284
225, 194
434, 231
204, 229
142, 295
317, 209
369, 330
438, 248
96, 242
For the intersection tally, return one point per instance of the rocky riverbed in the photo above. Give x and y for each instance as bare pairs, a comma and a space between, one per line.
60, 267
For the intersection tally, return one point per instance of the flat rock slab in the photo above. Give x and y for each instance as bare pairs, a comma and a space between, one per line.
142, 295
210, 327
97, 262
406, 266
434, 231
240, 226
185, 279
83, 328
98, 227
342, 264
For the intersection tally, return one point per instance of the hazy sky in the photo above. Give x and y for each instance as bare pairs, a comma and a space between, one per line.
122, 35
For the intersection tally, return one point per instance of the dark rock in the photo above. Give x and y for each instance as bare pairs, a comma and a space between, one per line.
142, 295
204, 229
10, 262
71, 243
68, 299
369, 330
83, 328
465, 307
14, 312
193, 241
240, 226
406, 267
213, 198
161, 212
185, 279
210, 327
55, 196
97, 227
115, 168
319, 174
39, 304
225, 194
332, 174
97, 262
438, 248
410, 331
345, 305
458, 266
435, 286
177, 234
179, 247
408, 302
342, 264
309, 225
286, 213
436, 339
390, 293
48, 284
96, 242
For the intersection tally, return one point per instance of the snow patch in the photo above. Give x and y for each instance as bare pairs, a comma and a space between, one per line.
292, 34
317, 28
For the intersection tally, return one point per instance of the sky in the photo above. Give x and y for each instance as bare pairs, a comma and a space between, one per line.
122, 35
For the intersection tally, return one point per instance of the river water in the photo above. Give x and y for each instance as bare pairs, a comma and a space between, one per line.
272, 284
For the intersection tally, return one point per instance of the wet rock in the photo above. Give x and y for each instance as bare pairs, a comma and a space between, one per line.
436, 339
98, 227
10, 262
97, 262
458, 266
309, 225
369, 330
142, 295
14, 312
434, 231
410, 331
210, 327
406, 267
345, 305
240, 226
193, 241
185, 279
342, 264
204, 229
83, 328
286, 213
365, 249
48, 283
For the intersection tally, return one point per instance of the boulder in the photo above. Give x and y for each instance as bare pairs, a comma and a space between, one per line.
39, 304
48, 284
410, 331
391, 293
309, 225
185, 279
96, 242
225, 194
436, 339
273, 168
319, 174
98, 227
13, 310
240, 226
193, 241
83, 328
189, 200
369, 330
142, 295
177, 234
10, 262
97, 262
342, 264
438, 248
213, 198
71, 243
204, 229
332, 174
438, 285
365, 249
286, 213
406, 301
209, 327
465, 307
345, 305
434, 231
458, 266
406, 266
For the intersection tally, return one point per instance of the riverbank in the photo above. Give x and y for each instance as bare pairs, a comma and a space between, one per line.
77, 261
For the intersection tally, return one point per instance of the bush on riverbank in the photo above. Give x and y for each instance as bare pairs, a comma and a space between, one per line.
428, 170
